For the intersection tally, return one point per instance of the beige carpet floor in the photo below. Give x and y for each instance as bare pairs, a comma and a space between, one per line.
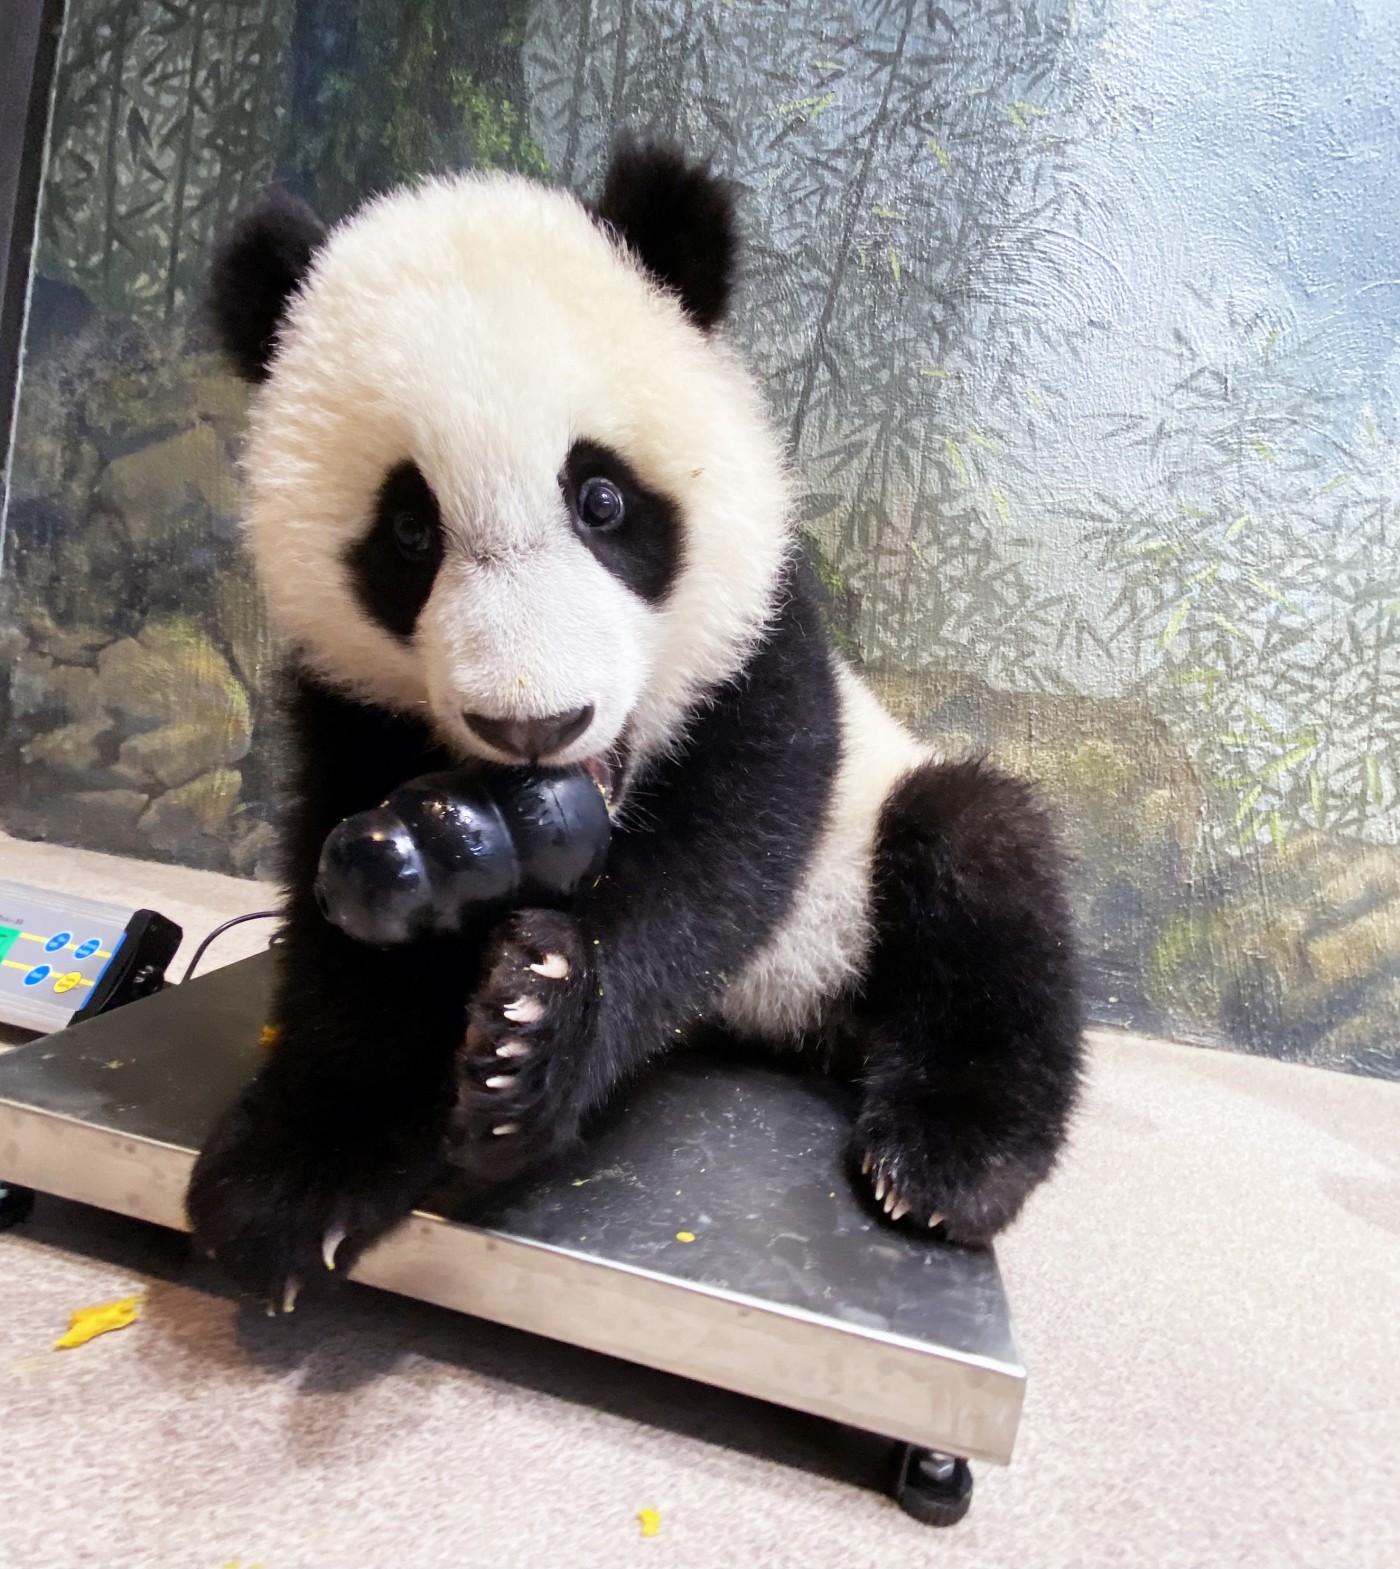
1207, 1296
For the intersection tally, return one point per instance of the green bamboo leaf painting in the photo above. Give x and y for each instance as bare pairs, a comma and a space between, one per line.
1176, 622
812, 107
1289, 760
1246, 806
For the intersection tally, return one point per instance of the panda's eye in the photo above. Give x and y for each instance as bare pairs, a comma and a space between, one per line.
600, 503
414, 535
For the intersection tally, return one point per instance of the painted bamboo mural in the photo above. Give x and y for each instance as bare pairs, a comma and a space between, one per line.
1079, 317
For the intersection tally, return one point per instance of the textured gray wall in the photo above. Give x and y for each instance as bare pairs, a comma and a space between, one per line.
1080, 317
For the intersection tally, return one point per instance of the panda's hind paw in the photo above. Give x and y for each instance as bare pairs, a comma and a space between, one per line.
937, 1171
884, 1186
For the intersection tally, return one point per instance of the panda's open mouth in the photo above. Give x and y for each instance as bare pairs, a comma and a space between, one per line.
608, 770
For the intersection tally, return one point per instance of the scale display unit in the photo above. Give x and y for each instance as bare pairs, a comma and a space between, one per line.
63, 958
708, 1229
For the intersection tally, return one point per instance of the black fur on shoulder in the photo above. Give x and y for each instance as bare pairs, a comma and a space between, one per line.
257, 267
678, 219
970, 1004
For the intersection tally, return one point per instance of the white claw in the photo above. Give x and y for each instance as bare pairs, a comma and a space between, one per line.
512, 1049
554, 967
901, 1210
503, 1128
500, 1081
524, 1010
880, 1190
290, 1293
934, 1220
891, 1199
867, 1163
330, 1245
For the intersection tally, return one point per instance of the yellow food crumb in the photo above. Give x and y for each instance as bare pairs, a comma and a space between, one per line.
89, 1322
685, 1236
269, 1036
651, 1521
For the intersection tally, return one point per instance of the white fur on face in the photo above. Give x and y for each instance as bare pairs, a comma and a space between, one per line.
546, 632
478, 327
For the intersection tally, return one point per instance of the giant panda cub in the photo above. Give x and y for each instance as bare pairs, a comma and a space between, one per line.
512, 496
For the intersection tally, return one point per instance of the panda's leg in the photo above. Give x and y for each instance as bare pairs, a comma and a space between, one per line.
340, 1131
969, 1018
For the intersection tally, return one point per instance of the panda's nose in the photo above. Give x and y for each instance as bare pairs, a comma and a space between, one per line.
530, 739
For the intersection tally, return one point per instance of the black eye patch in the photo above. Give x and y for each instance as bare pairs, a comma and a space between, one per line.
394, 565
633, 530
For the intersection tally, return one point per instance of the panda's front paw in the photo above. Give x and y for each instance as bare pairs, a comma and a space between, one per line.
521, 1064
943, 1166
280, 1198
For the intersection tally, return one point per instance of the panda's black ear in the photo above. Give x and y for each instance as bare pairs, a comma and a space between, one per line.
256, 269
679, 220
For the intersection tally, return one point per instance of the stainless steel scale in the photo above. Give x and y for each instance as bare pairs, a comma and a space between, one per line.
790, 1290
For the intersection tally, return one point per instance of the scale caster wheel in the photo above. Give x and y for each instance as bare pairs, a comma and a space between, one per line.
16, 1203
935, 1488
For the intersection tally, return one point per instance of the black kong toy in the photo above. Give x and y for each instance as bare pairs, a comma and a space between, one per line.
449, 843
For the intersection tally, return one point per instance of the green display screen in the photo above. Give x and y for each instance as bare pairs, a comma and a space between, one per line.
7, 940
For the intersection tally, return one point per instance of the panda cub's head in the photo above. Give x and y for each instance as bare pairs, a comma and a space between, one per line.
501, 470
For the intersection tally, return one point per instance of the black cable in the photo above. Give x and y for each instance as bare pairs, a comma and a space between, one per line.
257, 915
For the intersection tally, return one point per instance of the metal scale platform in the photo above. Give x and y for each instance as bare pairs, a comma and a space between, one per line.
789, 1291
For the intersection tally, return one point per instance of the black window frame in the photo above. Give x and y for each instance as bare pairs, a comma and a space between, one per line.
29, 35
